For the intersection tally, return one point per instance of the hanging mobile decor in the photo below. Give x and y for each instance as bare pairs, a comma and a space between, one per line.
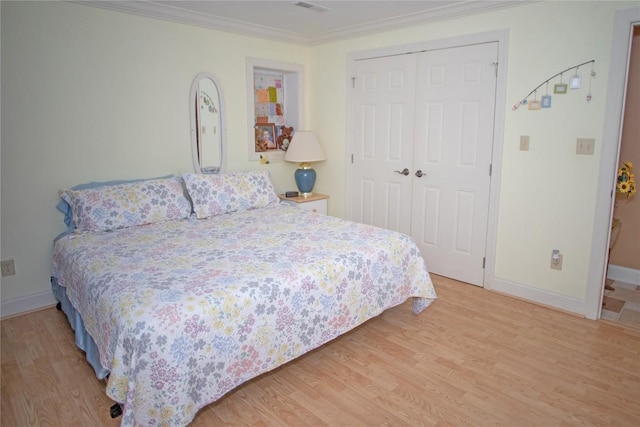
558, 88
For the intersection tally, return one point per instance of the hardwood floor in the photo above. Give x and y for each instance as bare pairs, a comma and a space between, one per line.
474, 358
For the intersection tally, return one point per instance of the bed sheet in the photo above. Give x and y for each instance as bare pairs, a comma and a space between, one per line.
184, 311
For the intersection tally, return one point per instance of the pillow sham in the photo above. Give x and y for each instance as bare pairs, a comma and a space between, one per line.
231, 192
64, 207
112, 207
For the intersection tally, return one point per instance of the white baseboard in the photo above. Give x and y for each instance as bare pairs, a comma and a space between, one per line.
19, 305
539, 296
623, 274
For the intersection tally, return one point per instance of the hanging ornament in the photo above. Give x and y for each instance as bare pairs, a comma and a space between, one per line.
591, 76
545, 101
535, 104
560, 88
575, 81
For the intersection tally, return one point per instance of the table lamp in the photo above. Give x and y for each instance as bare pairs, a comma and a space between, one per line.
304, 149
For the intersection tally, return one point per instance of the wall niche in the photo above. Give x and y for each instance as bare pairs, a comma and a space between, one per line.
275, 100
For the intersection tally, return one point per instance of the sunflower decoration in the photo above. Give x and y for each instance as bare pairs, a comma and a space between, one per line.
626, 183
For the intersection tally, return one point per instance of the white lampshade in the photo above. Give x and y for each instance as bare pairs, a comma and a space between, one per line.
304, 148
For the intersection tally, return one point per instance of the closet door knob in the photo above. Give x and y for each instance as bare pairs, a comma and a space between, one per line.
419, 173
404, 172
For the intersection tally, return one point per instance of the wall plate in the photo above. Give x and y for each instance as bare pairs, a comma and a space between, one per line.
557, 265
585, 146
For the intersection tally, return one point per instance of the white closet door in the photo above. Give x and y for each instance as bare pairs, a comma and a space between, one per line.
383, 126
455, 102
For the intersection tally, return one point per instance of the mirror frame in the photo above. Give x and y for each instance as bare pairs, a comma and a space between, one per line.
194, 125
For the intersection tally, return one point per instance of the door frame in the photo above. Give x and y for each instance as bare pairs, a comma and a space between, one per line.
614, 116
502, 38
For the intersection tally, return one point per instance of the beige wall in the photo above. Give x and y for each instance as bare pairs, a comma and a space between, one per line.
90, 94
547, 194
626, 251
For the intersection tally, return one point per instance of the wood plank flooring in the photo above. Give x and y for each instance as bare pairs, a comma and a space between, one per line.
474, 358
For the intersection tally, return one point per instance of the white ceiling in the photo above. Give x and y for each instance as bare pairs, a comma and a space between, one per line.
283, 20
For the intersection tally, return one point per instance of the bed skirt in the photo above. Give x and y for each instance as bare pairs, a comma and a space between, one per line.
83, 339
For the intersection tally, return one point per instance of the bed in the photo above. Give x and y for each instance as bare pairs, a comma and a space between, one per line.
182, 288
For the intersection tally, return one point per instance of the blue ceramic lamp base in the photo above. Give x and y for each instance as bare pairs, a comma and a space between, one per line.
305, 180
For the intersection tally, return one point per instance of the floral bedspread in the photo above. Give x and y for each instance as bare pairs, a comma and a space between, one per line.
185, 311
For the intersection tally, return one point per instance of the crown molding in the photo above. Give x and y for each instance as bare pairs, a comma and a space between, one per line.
184, 16
429, 16
172, 13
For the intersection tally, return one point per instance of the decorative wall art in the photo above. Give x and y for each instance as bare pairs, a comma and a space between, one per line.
560, 88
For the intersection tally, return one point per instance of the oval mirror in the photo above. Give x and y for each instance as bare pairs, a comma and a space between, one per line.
207, 125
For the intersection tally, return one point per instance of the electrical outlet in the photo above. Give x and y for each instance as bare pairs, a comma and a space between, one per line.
8, 267
524, 143
556, 265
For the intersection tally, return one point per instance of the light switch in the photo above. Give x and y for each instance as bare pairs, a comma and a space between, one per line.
585, 145
524, 142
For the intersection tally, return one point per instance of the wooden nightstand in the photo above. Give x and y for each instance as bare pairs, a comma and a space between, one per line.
316, 202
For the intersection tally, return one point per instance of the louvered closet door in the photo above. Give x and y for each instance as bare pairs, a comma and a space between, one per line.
455, 100
383, 126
